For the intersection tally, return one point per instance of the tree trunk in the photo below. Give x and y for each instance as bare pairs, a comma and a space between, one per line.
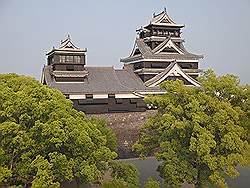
198, 183
77, 182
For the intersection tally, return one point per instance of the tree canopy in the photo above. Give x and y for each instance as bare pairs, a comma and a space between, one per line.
124, 175
200, 135
43, 140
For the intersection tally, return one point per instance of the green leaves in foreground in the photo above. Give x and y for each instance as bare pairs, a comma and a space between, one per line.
124, 175
44, 141
200, 135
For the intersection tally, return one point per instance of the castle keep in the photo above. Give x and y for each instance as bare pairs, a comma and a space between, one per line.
158, 55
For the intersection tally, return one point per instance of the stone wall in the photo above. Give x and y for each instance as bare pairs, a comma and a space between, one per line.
126, 126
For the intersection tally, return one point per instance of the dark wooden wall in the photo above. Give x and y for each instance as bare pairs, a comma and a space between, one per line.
96, 106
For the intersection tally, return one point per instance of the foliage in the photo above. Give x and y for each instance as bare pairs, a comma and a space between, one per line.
125, 172
101, 124
117, 183
44, 177
43, 140
151, 183
200, 135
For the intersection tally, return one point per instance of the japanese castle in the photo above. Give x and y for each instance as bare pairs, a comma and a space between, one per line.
158, 55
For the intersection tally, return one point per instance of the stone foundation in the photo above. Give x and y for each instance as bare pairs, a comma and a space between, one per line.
126, 127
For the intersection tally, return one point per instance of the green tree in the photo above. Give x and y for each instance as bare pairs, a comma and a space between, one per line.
200, 135
43, 140
151, 183
125, 172
101, 123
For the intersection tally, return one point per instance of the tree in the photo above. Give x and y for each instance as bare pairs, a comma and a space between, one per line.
43, 140
200, 135
151, 183
101, 124
126, 173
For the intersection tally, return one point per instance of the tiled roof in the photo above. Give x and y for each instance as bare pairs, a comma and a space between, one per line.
147, 53
67, 45
144, 49
163, 19
100, 80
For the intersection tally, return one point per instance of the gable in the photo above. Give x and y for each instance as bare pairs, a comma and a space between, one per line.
173, 71
135, 51
186, 82
165, 20
167, 47
68, 44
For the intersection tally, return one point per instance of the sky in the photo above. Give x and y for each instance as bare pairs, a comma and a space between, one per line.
217, 29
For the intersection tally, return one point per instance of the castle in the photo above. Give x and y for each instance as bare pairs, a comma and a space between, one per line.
158, 55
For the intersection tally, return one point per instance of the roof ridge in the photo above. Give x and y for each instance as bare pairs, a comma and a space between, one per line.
142, 46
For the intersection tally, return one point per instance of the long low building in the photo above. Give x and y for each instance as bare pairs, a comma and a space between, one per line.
158, 55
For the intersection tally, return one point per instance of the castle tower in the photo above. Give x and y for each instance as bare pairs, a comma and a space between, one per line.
159, 53
67, 62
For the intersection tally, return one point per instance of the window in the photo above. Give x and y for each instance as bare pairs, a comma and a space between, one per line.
62, 59
118, 101
156, 65
77, 59
89, 96
111, 95
69, 59
69, 68
186, 66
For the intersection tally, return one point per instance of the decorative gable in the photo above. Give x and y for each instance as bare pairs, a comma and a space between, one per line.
165, 20
168, 46
172, 71
136, 50
67, 44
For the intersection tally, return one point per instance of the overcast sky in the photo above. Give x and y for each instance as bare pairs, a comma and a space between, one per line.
218, 29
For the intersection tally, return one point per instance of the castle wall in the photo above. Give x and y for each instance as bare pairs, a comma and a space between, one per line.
96, 106
126, 127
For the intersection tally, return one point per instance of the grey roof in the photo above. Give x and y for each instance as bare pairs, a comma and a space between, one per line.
163, 18
67, 45
147, 53
100, 80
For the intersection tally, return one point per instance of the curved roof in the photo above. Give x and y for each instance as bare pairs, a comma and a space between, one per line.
148, 53
164, 19
67, 45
